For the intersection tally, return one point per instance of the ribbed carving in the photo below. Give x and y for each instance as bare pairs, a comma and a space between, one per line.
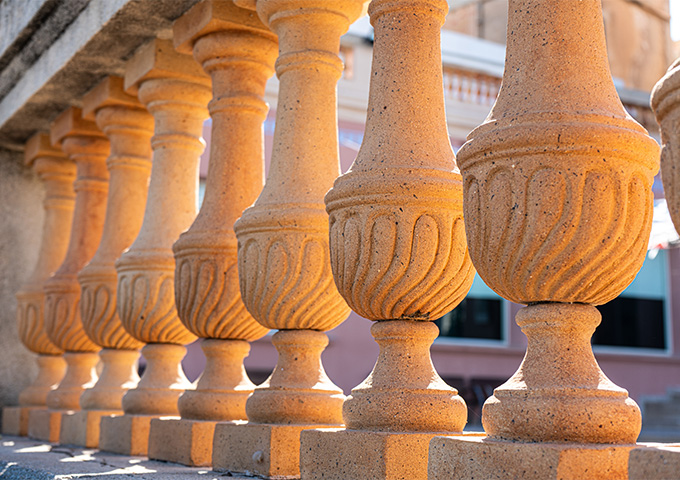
99, 314
146, 301
396, 256
62, 315
665, 103
285, 276
560, 232
208, 296
30, 323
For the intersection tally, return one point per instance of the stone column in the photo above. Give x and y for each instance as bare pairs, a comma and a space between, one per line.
129, 127
399, 255
663, 461
176, 92
83, 142
284, 270
558, 209
57, 173
666, 106
238, 52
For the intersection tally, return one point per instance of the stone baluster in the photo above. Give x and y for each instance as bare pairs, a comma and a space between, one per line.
129, 127
659, 461
399, 255
238, 52
57, 173
84, 143
666, 103
558, 209
284, 271
176, 92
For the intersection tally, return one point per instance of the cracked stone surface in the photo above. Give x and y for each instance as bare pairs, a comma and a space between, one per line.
26, 459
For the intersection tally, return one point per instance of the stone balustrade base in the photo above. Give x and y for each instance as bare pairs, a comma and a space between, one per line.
82, 428
654, 462
462, 457
265, 450
189, 442
126, 434
340, 454
15, 420
45, 424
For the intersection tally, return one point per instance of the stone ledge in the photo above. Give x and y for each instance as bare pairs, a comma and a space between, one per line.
25, 459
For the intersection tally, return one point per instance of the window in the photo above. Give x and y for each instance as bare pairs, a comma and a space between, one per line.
637, 317
480, 316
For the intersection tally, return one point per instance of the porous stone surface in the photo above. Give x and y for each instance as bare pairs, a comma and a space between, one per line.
266, 450
45, 424
665, 103
558, 208
82, 428
125, 434
238, 52
176, 92
339, 454
189, 442
654, 462
398, 253
68, 55
15, 420
468, 457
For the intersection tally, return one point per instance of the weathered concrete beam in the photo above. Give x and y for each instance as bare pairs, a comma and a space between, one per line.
96, 43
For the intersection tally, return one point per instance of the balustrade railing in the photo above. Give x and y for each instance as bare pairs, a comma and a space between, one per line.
550, 201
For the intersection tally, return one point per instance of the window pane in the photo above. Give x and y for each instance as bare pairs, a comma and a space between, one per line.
478, 318
631, 322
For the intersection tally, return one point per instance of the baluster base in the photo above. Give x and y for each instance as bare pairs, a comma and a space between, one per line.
45, 424
189, 442
338, 454
126, 434
654, 462
560, 394
82, 428
15, 420
265, 450
462, 457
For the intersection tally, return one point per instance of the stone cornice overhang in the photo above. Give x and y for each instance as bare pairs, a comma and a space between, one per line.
67, 62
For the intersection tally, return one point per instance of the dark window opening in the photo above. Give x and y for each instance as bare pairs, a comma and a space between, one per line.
475, 318
631, 322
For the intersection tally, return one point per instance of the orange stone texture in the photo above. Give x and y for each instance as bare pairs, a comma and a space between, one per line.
176, 92
283, 260
558, 209
129, 127
57, 172
398, 254
238, 52
81, 140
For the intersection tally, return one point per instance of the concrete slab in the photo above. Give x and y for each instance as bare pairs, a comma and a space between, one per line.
25, 459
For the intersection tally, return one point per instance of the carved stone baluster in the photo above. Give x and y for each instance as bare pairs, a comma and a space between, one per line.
665, 103
129, 127
399, 255
176, 92
238, 52
558, 209
83, 142
285, 276
57, 173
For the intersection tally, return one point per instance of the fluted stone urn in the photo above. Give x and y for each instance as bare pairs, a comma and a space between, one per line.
558, 210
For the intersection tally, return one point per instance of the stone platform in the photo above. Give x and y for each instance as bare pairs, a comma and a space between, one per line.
25, 459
